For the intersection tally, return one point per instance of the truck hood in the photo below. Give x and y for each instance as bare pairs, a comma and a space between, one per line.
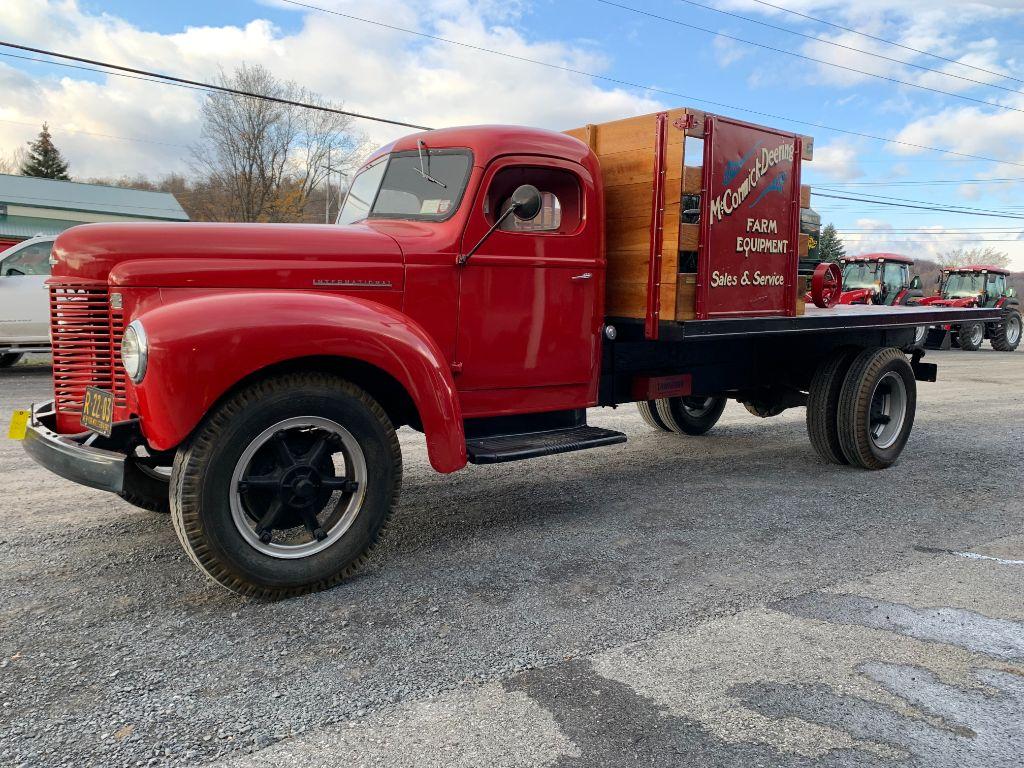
193, 255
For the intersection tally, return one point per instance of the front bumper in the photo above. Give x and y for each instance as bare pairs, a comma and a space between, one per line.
76, 457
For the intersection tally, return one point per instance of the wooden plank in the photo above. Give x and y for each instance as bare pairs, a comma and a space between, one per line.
630, 201
803, 245
693, 180
686, 297
808, 148
697, 131
805, 196
627, 299
689, 237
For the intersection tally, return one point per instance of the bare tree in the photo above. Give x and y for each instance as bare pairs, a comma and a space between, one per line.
973, 257
259, 160
12, 162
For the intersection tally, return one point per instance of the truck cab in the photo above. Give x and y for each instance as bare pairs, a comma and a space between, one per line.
879, 278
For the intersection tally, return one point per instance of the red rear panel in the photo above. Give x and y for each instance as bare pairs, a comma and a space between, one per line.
749, 221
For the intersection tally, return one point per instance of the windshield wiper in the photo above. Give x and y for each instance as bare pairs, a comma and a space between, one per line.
424, 172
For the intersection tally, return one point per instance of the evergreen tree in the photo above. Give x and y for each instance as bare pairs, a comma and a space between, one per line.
830, 246
44, 159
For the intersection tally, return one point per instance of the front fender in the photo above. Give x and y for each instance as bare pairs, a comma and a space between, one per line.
201, 347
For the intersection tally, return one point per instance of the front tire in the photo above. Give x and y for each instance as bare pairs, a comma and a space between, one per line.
877, 405
9, 359
146, 487
970, 336
258, 499
1006, 336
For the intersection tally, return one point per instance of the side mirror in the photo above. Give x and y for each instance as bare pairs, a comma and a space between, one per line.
915, 283
526, 202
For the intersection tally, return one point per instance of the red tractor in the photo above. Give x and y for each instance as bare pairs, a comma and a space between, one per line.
883, 279
980, 286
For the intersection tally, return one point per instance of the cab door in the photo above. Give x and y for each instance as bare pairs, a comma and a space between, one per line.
530, 298
24, 303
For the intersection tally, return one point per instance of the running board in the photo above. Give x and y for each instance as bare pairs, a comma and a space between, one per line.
530, 445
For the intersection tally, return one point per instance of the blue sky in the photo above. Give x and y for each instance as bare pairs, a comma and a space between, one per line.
391, 73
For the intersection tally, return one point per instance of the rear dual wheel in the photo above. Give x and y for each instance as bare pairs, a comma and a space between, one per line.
287, 486
683, 415
861, 407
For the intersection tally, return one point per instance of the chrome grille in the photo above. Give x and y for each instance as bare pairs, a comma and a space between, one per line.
86, 345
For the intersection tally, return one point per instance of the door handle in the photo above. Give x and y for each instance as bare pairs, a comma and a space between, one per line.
584, 276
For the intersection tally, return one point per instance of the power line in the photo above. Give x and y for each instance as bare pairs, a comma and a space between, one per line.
809, 58
209, 86
882, 198
848, 47
966, 212
65, 129
647, 88
889, 42
924, 182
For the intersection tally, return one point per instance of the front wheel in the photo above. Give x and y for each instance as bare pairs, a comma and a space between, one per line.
1006, 336
287, 486
970, 335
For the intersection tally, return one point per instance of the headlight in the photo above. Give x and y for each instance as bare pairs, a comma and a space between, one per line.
135, 351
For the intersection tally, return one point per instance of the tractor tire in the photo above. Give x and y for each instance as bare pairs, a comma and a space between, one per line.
823, 406
649, 413
248, 489
970, 336
877, 405
1006, 336
9, 359
691, 415
146, 488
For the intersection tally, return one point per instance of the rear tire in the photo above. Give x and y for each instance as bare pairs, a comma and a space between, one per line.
244, 487
1006, 336
877, 405
691, 415
823, 406
970, 336
9, 359
649, 413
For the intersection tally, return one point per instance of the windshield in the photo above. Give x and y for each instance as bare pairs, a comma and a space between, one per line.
963, 285
393, 187
859, 274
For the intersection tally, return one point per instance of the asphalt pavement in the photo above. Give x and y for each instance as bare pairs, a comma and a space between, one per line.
727, 600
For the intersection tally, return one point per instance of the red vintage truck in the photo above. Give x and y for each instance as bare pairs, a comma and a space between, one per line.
485, 286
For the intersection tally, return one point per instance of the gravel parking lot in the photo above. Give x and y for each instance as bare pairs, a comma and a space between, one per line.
719, 601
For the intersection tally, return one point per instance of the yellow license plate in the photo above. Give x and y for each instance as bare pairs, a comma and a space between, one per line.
19, 425
98, 410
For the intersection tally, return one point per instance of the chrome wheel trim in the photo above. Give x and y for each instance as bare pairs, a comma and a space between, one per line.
340, 519
977, 335
1013, 329
889, 399
920, 333
700, 407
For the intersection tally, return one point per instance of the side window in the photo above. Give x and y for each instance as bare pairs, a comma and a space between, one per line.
893, 276
561, 199
996, 285
31, 260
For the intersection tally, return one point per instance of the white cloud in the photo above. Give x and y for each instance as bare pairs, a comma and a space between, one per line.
371, 69
837, 161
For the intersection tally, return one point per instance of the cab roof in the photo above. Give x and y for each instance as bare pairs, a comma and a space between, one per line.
490, 141
879, 257
978, 268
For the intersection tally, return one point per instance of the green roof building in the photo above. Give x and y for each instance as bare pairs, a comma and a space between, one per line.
31, 206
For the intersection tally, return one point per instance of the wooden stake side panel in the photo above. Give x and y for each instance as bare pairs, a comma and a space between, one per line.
626, 151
